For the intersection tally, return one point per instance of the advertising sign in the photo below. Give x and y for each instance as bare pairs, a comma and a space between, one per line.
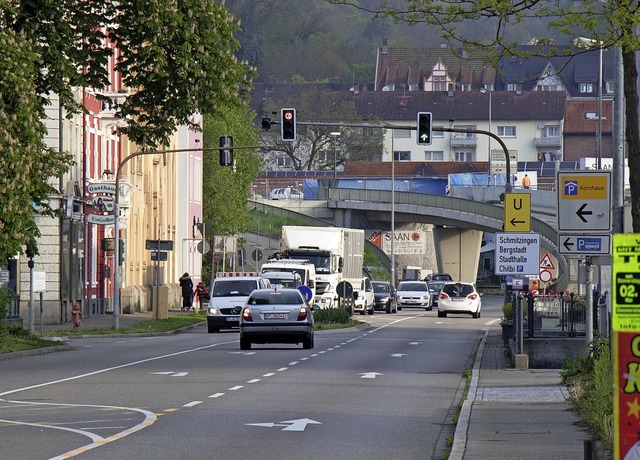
626, 344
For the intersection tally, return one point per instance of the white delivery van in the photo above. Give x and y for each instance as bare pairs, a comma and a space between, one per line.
365, 299
228, 294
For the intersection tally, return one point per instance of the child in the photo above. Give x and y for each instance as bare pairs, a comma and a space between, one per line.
199, 292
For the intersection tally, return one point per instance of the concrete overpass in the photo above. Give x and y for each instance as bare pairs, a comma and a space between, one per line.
459, 222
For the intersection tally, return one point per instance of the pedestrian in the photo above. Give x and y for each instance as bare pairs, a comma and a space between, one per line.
526, 181
187, 291
199, 293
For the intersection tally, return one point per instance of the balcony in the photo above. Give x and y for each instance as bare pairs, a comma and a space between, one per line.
549, 142
464, 141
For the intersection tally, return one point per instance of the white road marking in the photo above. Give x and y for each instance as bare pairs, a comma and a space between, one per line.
192, 403
216, 395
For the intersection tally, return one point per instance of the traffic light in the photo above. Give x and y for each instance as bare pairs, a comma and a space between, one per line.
288, 124
121, 252
424, 128
226, 154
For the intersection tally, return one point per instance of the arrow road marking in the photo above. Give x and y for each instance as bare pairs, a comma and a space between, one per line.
581, 213
370, 375
289, 425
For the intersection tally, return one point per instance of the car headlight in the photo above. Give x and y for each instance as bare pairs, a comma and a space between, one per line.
384, 299
213, 311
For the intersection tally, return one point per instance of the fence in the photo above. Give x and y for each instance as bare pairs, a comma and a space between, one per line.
550, 315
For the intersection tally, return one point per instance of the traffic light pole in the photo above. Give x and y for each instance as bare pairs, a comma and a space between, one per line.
116, 214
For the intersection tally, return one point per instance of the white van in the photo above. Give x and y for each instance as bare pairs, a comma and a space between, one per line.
228, 294
365, 298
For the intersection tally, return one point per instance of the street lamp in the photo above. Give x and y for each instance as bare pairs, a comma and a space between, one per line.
582, 42
490, 91
334, 135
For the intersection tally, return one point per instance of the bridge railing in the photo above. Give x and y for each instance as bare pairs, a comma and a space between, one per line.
488, 210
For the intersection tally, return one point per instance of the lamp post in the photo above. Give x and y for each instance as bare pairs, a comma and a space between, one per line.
583, 42
334, 135
490, 91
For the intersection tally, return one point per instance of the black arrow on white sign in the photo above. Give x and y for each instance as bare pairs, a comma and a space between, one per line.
581, 213
568, 245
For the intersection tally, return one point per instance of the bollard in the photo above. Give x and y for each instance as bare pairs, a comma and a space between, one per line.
593, 450
76, 312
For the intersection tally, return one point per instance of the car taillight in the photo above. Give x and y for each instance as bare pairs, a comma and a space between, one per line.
302, 314
246, 314
472, 296
442, 296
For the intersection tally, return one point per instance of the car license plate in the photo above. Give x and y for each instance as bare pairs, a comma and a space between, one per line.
230, 318
275, 316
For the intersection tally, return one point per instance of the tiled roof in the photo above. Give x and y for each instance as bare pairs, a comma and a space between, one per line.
398, 66
576, 121
398, 107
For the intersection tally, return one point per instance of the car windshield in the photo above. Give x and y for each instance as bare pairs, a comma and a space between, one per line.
229, 287
275, 298
412, 287
457, 290
381, 287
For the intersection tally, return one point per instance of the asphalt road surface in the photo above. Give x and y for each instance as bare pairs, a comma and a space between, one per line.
387, 391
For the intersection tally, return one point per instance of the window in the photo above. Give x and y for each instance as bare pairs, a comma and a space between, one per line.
586, 88
434, 155
402, 156
512, 87
551, 131
323, 156
609, 87
283, 162
464, 156
437, 134
401, 133
507, 131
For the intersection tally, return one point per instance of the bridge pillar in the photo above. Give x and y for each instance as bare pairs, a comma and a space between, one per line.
458, 252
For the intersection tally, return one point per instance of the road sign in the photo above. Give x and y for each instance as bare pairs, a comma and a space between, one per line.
546, 263
306, 292
517, 212
583, 244
159, 245
517, 254
545, 276
584, 202
256, 255
344, 289
159, 256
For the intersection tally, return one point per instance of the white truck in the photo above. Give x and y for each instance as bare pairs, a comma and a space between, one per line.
304, 268
336, 253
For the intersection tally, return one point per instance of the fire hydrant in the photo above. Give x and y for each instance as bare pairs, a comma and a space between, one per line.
77, 316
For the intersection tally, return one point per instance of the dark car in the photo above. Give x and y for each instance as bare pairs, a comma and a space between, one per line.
434, 288
439, 277
385, 297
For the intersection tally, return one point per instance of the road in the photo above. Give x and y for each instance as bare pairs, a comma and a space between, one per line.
387, 391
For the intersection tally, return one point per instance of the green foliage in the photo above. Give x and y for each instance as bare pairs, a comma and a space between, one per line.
591, 380
331, 316
507, 311
26, 160
6, 296
15, 338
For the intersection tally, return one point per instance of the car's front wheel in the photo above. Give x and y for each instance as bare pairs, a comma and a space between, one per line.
388, 308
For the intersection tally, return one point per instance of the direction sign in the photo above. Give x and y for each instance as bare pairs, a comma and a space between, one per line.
584, 202
344, 289
159, 245
583, 244
517, 254
159, 256
517, 212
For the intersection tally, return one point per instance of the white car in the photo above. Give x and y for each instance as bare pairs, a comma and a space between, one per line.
413, 294
366, 300
459, 297
286, 193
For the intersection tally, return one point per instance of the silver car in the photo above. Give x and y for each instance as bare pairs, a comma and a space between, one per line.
276, 316
413, 294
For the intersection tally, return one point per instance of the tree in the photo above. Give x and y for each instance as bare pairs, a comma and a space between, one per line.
177, 58
227, 189
612, 23
314, 146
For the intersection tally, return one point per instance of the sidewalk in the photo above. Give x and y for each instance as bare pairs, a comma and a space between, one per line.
515, 414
